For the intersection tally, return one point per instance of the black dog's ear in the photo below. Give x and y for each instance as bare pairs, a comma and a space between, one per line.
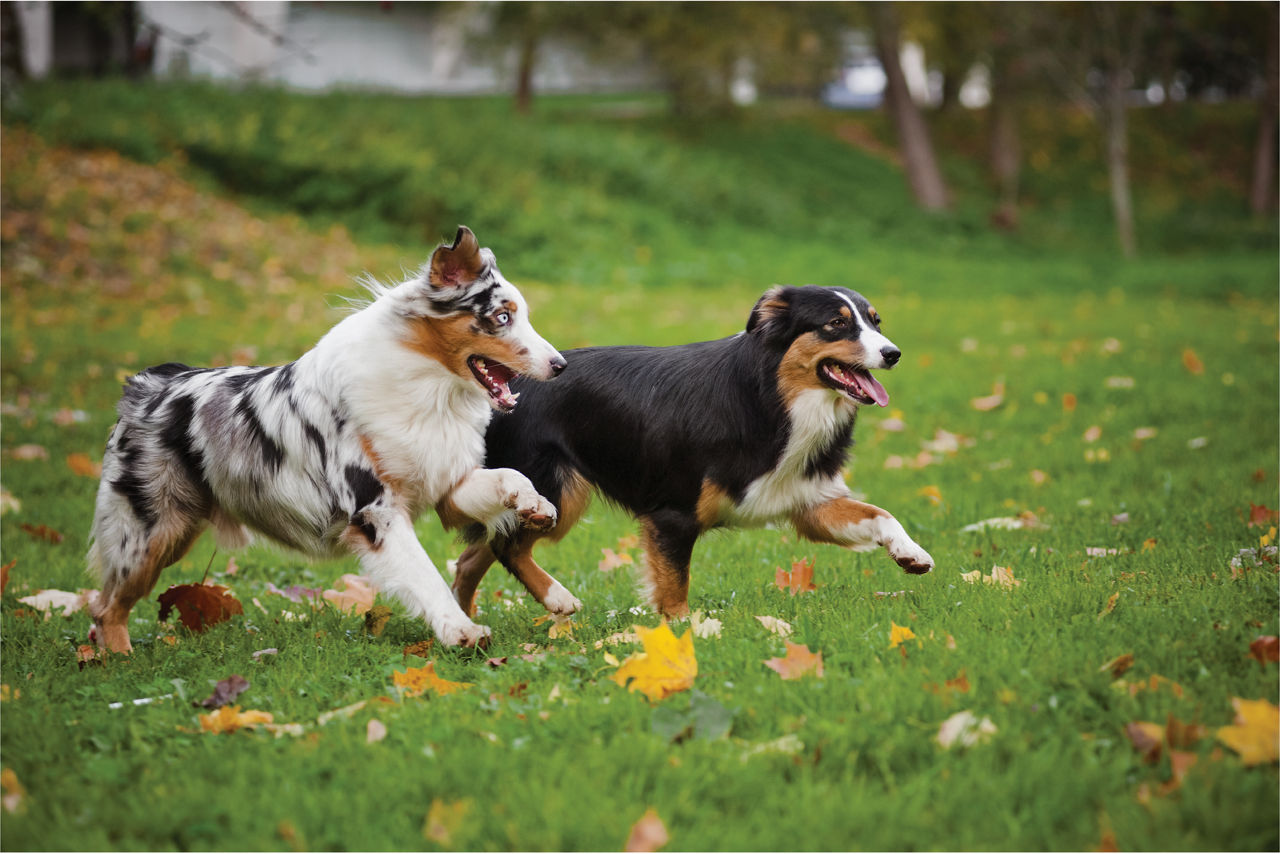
457, 265
769, 316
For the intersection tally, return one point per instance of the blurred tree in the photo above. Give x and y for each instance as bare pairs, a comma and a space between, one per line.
923, 173
1262, 193
526, 25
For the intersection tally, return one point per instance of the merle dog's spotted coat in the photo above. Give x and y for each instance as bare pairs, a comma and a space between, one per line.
336, 452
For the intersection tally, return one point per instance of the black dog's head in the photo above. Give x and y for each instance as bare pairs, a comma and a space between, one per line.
829, 338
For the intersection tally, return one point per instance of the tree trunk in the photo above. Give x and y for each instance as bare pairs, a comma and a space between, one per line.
913, 136
1262, 191
1116, 120
1005, 151
524, 72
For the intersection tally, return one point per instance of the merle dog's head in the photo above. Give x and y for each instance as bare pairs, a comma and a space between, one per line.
464, 314
829, 338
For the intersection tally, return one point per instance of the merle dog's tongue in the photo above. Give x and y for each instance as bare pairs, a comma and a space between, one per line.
871, 387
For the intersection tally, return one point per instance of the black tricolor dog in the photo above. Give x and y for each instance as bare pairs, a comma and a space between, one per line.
741, 431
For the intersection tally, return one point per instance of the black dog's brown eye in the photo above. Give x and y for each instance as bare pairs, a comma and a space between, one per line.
839, 322
875, 318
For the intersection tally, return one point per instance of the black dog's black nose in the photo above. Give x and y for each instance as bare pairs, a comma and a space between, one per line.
557, 365
891, 355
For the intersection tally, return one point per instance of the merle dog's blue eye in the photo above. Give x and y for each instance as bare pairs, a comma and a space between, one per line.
502, 318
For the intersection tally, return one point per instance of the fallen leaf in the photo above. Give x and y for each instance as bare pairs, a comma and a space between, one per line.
271, 650
1093, 434
991, 401
781, 628
1023, 521
898, 634
1260, 515
375, 619
959, 685
230, 719
357, 593
89, 653
443, 820
1265, 648
1147, 738
964, 729
666, 666
81, 464
932, 493
232, 566
1110, 606
617, 638
1068, 402
1118, 666
298, 593
4, 573
1255, 733
225, 692
1144, 433
704, 627
798, 580
1038, 477
12, 793
1180, 762
562, 625
29, 452
1192, 362
7, 693
648, 833
1177, 734
42, 532
613, 560
421, 649
375, 731
46, 600
416, 681
799, 661
199, 605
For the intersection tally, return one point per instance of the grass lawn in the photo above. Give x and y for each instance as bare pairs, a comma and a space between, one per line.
1138, 423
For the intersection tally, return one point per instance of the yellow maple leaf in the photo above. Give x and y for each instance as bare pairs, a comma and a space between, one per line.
898, 634
443, 820
666, 666
230, 719
416, 681
1255, 734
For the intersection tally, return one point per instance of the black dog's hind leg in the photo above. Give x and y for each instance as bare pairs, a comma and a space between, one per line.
667, 537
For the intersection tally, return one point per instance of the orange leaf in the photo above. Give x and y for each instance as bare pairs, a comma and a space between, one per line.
613, 560
1146, 738
4, 573
1068, 402
798, 580
199, 605
1255, 734
1260, 515
357, 592
647, 834
416, 681
1192, 362
1265, 648
42, 532
799, 661
81, 464
1118, 666
230, 719
666, 666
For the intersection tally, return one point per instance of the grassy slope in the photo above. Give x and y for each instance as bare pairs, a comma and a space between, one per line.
149, 269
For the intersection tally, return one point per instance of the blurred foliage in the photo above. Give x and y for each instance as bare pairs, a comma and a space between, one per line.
611, 191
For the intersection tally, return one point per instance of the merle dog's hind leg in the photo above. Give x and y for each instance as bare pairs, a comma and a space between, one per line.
130, 566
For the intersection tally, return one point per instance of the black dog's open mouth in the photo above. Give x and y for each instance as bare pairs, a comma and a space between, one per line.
495, 376
857, 383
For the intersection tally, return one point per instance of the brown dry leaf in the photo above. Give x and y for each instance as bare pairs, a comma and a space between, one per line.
958, 685
1118, 666
647, 834
991, 401
1110, 606
1068, 402
42, 532
1147, 738
416, 681
81, 464
798, 580
1177, 734
1260, 515
199, 605
376, 618
444, 819
422, 648
225, 691
357, 593
1180, 762
665, 667
230, 719
800, 661
1192, 362
4, 573
1265, 648
1255, 734
613, 560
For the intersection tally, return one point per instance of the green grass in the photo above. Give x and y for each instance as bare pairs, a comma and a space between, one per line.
109, 266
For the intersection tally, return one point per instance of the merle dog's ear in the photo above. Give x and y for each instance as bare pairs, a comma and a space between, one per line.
457, 265
769, 316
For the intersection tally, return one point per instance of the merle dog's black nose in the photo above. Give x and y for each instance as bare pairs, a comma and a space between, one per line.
891, 355
557, 365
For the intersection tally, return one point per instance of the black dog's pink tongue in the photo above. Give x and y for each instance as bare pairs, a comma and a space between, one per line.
871, 387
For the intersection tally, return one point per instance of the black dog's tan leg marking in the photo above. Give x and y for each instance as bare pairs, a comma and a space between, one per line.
122, 589
516, 554
667, 538
861, 527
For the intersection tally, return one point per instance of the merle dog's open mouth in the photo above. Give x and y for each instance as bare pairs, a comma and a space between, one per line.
855, 382
495, 377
